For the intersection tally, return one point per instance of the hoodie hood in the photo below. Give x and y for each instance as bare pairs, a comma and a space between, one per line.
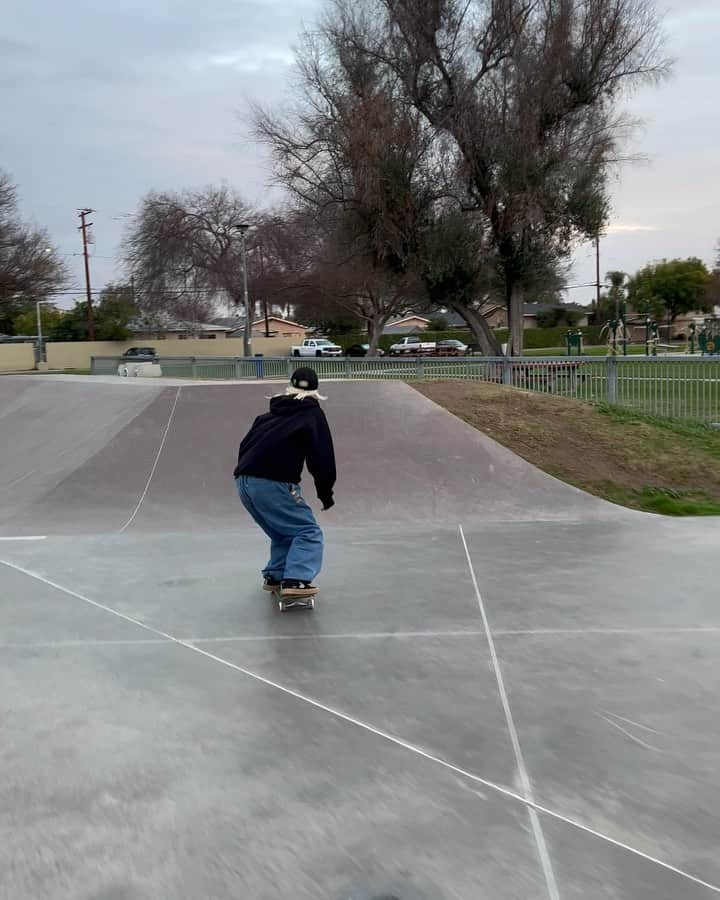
290, 406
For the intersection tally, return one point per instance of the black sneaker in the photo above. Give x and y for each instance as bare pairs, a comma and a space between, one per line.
292, 588
271, 584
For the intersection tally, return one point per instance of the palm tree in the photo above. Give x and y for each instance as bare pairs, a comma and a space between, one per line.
616, 291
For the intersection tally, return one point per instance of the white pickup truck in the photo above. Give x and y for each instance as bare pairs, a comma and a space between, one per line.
317, 347
413, 346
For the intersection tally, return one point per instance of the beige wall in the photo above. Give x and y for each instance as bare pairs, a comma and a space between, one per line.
16, 357
77, 354
283, 329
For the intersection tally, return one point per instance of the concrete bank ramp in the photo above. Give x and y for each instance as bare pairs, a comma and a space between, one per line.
93, 457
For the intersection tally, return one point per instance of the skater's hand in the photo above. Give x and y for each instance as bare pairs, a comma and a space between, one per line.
328, 504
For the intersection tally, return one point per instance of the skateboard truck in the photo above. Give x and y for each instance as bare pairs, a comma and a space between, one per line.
286, 603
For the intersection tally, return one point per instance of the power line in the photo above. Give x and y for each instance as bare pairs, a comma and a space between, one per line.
67, 292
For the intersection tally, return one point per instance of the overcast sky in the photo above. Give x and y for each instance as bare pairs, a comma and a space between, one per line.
103, 101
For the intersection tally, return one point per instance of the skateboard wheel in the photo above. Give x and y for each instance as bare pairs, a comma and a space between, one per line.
281, 606
311, 604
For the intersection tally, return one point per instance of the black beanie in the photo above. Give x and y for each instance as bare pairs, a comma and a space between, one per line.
304, 379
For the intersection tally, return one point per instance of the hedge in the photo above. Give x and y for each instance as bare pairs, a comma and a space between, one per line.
535, 338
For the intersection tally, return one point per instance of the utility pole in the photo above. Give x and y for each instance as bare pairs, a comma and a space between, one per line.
597, 272
83, 213
247, 336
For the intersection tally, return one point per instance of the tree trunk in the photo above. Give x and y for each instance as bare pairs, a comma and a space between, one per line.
375, 329
482, 332
516, 309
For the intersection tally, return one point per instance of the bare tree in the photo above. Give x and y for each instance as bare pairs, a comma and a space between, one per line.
184, 252
356, 163
527, 90
280, 256
30, 267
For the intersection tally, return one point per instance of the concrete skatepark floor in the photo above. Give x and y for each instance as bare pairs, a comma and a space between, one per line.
508, 689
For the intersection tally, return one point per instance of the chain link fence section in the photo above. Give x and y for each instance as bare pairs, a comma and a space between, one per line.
682, 387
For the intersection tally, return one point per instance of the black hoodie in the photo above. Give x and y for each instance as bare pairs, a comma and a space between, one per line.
294, 433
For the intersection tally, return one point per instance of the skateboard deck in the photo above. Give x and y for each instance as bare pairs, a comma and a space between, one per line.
286, 603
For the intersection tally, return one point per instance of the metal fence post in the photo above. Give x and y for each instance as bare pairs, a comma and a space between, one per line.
507, 370
611, 365
420, 367
238, 368
194, 367
259, 368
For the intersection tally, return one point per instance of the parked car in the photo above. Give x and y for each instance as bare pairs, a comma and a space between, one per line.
317, 347
140, 353
412, 346
361, 350
451, 347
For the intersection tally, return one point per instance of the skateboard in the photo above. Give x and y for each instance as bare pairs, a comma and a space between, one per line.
286, 603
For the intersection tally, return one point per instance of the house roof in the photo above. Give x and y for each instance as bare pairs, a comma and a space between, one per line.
176, 326
406, 320
279, 319
454, 319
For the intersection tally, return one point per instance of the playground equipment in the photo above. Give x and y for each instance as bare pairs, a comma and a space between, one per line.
618, 335
708, 338
652, 337
616, 330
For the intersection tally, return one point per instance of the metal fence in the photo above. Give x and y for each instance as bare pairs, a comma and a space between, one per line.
682, 387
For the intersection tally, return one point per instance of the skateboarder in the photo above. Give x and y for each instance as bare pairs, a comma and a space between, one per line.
294, 433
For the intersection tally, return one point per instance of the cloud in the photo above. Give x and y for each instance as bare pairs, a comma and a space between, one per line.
629, 229
106, 101
113, 99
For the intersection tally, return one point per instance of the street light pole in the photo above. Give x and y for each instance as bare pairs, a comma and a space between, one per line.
39, 331
247, 335
40, 353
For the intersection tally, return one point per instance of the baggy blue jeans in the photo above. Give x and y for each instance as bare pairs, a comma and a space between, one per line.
296, 540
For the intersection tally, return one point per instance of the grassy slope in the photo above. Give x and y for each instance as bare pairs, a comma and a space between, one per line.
635, 460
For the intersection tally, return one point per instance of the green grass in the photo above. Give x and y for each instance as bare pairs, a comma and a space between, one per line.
665, 501
704, 437
649, 462
687, 390
701, 438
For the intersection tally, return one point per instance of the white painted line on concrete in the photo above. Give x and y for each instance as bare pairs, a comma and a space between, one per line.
330, 635
337, 636
155, 464
25, 537
398, 742
451, 633
628, 735
631, 722
244, 638
538, 833
562, 632
60, 645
